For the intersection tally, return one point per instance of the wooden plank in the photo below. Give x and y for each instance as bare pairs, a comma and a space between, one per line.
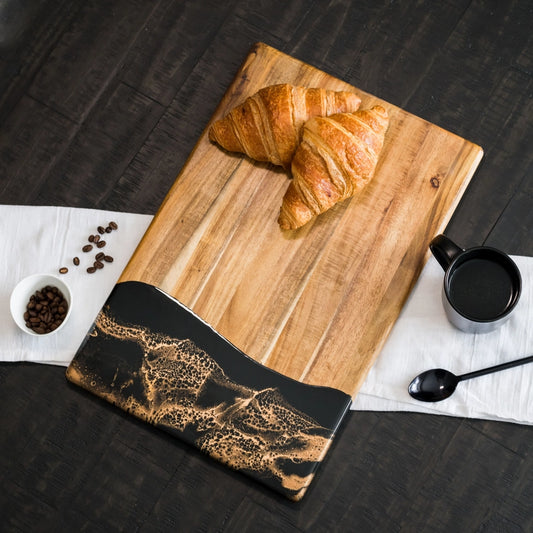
89, 55
506, 126
312, 304
28, 34
115, 131
31, 139
175, 37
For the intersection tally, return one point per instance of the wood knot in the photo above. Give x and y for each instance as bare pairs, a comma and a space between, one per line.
435, 181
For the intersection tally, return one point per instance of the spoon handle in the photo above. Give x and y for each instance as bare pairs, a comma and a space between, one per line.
496, 368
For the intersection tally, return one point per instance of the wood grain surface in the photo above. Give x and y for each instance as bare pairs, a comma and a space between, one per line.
102, 103
315, 304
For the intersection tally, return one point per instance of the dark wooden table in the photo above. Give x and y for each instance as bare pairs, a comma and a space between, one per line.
100, 104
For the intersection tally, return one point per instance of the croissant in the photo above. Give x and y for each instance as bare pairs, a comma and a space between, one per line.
267, 125
335, 160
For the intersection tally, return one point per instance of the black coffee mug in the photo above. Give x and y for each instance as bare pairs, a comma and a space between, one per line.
482, 285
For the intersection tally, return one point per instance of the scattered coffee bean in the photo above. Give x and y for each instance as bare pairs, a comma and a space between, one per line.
46, 310
95, 239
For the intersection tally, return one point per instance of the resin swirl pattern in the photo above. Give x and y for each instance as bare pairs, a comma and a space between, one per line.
178, 386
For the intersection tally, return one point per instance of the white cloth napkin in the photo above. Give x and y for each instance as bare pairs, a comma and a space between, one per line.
43, 239
39, 240
422, 339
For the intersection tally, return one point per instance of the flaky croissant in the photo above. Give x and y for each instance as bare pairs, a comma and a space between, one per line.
335, 160
267, 126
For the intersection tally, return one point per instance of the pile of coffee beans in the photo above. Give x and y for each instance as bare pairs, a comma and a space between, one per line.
46, 310
95, 240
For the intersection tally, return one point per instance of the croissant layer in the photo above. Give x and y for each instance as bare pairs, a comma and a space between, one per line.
267, 126
337, 157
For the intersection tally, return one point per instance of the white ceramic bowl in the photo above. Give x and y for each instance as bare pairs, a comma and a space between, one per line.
26, 288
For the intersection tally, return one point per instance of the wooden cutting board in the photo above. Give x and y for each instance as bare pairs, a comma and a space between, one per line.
318, 303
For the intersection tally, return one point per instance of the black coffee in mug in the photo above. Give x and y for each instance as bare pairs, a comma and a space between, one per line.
481, 285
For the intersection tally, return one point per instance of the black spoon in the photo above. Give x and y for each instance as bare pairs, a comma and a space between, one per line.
438, 384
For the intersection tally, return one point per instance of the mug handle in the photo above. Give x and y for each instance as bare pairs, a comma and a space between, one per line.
444, 250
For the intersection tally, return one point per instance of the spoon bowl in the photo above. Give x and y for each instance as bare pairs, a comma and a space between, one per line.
433, 385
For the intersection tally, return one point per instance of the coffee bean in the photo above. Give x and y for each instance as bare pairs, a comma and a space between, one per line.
94, 239
49, 311
98, 264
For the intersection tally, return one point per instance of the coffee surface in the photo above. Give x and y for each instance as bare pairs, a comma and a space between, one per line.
481, 289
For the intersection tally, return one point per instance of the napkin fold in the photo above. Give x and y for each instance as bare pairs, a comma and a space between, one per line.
44, 239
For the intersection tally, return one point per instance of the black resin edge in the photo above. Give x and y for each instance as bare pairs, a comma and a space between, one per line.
241, 413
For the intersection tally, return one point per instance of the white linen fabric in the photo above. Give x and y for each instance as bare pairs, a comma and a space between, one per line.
42, 239
422, 338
